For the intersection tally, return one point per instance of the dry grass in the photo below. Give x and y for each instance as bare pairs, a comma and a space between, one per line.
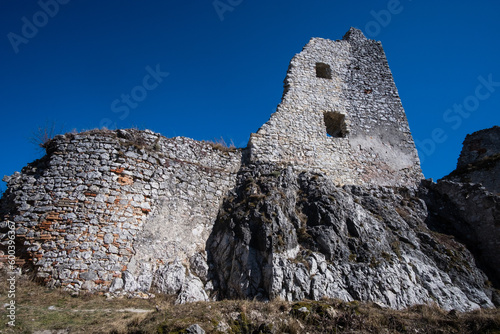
42, 135
82, 314
220, 144
95, 314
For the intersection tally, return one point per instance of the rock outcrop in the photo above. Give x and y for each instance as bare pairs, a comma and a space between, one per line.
479, 160
471, 214
466, 203
296, 236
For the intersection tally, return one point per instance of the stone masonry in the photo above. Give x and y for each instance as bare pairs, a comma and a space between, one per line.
103, 205
341, 115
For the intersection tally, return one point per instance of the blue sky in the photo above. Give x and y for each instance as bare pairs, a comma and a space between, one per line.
219, 66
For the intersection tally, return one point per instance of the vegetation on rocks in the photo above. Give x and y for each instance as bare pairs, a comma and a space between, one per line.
39, 308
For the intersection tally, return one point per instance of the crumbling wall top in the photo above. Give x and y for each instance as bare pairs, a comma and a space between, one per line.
354, 36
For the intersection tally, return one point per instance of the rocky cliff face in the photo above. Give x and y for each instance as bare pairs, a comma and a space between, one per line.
466, 202
471, 214
479, 161
296, 236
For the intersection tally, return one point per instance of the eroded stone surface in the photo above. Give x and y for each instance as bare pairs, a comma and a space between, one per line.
296, 236
479, 161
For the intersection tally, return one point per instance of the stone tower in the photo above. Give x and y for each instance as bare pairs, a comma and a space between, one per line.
341, 115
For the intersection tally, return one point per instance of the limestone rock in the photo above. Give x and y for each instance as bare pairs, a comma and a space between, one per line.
479, 161
116, 284
195, 329
299, 236
192, 291
471, 214
129, 282
170, 279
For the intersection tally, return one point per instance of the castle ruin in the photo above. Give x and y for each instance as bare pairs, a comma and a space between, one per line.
130, 211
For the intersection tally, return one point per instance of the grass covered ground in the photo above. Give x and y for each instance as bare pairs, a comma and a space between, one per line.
39, 308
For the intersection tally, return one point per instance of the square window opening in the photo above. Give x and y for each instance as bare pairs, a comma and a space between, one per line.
335, 124
323, 71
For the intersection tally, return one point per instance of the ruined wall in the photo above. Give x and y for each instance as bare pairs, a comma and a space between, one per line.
344, 88
108, 206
